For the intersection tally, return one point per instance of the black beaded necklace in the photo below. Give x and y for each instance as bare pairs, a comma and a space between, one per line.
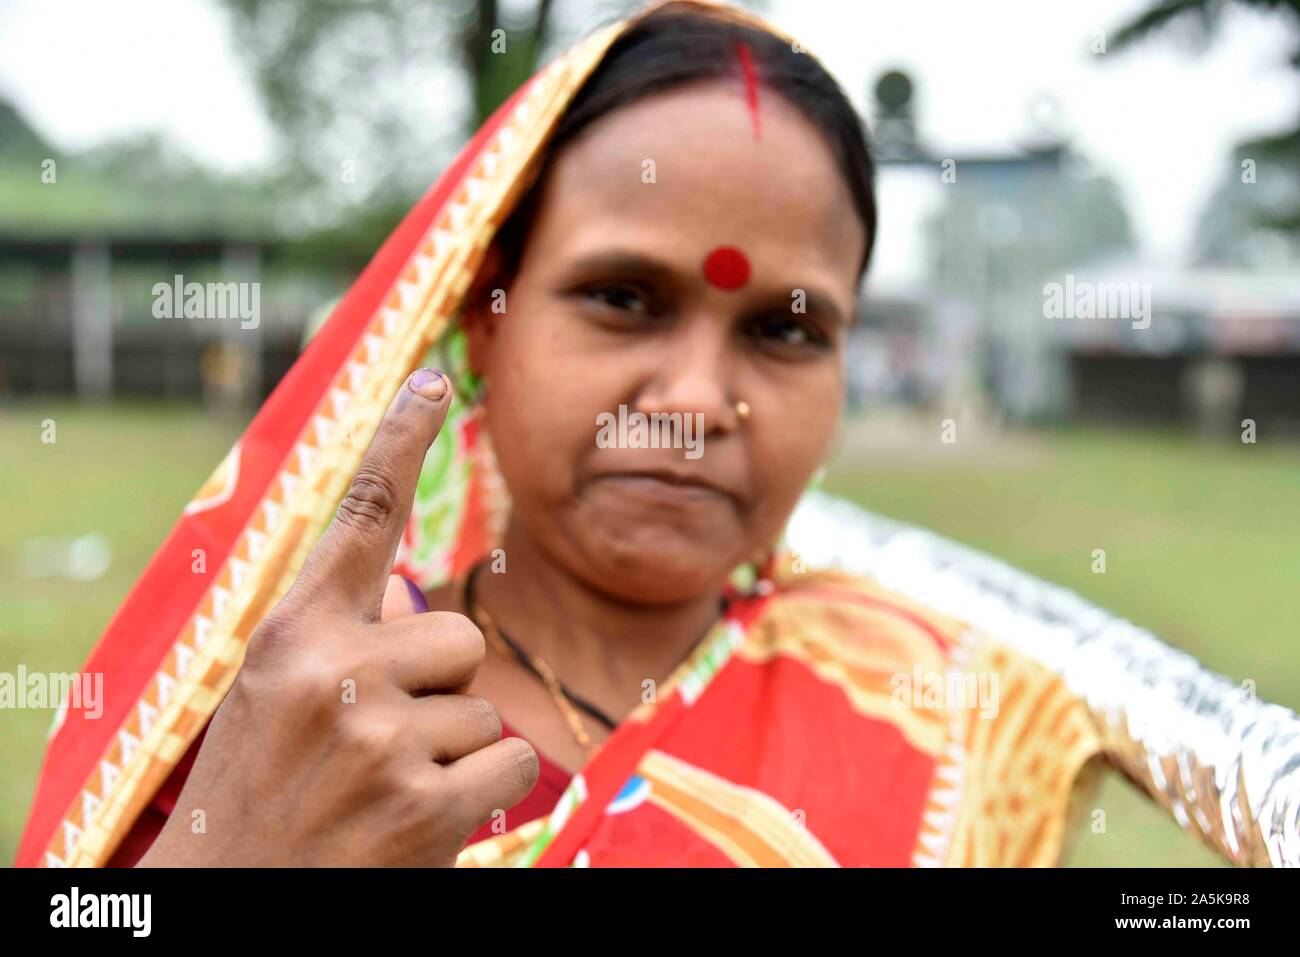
523, 658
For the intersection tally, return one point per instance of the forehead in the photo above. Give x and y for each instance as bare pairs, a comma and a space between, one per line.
680, 173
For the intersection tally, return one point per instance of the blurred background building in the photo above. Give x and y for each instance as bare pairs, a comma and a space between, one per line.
953, 311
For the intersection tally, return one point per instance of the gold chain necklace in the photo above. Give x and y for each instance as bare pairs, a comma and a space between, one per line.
564, 701
480, 616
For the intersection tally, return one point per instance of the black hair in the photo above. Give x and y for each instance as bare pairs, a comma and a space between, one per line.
672, 47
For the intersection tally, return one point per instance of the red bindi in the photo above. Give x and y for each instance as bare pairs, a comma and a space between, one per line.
726, 267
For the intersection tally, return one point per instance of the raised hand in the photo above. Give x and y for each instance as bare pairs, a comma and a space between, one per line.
347, 738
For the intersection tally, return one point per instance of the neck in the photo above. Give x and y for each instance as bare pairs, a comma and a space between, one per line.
599, 646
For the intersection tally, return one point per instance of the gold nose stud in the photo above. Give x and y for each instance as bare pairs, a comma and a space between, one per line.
742, 409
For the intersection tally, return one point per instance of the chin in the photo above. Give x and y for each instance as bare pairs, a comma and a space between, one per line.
654, 566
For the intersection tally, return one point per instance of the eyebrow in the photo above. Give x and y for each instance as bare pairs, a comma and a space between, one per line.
621, 262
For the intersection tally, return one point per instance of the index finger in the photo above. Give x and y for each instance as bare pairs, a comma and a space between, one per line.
349, 565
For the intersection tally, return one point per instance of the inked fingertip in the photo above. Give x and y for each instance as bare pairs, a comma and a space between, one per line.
418, 601
430, 383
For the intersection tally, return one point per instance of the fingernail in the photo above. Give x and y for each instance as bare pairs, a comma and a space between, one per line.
418, 601
430, 383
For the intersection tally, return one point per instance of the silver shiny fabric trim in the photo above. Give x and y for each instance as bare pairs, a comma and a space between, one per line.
1225, 764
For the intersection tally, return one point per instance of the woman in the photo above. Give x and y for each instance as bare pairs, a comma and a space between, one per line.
593, 648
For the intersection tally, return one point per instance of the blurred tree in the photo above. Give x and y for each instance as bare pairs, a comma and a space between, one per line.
372, 97
17, 138
1198, 21
1240, 226
138, 185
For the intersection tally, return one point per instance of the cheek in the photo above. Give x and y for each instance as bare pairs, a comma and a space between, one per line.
792, 434
538, 396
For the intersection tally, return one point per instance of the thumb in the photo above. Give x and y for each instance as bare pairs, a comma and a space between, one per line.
402, 598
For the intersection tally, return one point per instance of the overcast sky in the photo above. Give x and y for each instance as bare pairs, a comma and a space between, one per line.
1160, 119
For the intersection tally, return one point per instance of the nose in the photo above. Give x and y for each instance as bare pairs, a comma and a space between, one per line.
694, 372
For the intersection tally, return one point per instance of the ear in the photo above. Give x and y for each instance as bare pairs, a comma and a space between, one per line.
477, 318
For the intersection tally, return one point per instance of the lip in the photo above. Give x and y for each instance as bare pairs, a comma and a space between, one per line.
666, 485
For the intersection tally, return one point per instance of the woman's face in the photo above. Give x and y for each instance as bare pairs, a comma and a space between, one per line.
612, 305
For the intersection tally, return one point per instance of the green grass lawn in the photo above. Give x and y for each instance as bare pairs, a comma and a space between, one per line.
1202, 543
123, 470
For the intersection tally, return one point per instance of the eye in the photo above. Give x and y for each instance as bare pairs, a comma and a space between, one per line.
620, 296
783, 329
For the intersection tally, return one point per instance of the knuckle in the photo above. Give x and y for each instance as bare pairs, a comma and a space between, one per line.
371, 500
465, 635
274, 630
373, 736
456, 808
312, 681
249, 677
525, 764
484, 716
249, 688
270, 657
424, 794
